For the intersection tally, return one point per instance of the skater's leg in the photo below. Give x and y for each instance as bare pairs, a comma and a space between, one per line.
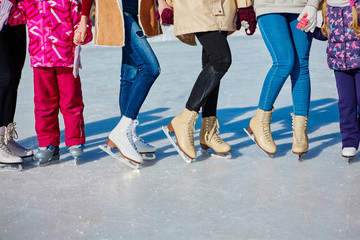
129, 71
46, 101
300, 77
12, 58
219, 60
279, 43
71, 105
349, 128
141, 53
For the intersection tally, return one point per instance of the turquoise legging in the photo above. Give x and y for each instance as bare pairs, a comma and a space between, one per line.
289, 48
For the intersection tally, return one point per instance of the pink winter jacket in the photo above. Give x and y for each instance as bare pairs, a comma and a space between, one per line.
51, 25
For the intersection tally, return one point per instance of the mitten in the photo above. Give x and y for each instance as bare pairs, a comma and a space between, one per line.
247, 18
5, 7
311, 16
167, 16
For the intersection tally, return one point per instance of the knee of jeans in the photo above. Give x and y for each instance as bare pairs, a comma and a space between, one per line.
222, 64
152, 71
285, 67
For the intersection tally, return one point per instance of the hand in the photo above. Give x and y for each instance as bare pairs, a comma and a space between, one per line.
303, 22
247, 19
311, 16
80, 33
165, 13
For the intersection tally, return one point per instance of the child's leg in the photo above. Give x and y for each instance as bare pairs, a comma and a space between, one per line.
46, 107
349, 128
71, 105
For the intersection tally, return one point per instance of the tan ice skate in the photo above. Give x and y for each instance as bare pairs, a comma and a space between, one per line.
300, 139
260, 127
209, 137
183, 127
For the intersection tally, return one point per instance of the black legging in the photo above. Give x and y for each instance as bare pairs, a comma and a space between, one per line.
12, 57
216, 60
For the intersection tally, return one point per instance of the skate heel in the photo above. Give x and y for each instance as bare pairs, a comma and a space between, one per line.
250, 131
111, 144
204, 147
170, 128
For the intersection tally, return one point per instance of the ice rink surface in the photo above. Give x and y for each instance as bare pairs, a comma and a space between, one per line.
247, 197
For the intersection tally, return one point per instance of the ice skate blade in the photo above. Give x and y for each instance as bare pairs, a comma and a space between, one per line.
222, 156
253, 139
120, 158
45, 163
350, 159
181, 153
10, 167
148, 156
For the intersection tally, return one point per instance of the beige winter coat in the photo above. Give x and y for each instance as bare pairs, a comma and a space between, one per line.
282, 6
192, 16
109, 21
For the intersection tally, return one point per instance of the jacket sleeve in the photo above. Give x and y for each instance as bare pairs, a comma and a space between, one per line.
313, 3
17, 14
76, 16
244, 3
317, 34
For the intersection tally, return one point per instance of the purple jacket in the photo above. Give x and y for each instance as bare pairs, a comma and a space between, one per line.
343, 48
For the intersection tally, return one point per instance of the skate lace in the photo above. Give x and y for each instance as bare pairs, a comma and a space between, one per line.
191, 128
136, 137
265, 123
299, 128
129, 136
5, 151
213, 133
10, 133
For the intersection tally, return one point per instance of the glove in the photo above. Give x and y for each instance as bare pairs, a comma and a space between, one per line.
5, 7
303, 22
311, 16
77, 61
247, 19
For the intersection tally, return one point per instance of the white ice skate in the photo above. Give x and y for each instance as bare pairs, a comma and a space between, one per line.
349, 153
14, 147
253, 139
181, 153
8, 161
146, 150
121, 138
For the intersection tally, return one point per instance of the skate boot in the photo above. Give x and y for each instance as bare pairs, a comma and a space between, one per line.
8, 160
209, 137
47, 155
260, 127
121, 138
183, 127
146, 150
76, 151
349, 152
300, 139
14, 147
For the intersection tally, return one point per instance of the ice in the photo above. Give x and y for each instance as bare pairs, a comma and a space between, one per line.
247, 197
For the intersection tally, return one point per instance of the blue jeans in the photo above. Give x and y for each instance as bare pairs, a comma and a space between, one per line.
139, 68
289, 48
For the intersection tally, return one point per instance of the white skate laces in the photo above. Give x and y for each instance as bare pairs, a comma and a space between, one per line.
213, 133
299, 127
191, 128
265, 123
135, 136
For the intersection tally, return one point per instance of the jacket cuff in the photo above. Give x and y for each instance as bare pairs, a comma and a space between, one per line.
313, 3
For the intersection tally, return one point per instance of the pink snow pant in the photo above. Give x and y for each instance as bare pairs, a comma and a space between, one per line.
56, 88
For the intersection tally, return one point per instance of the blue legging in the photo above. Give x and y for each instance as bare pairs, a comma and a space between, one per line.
139, 68
289, 48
